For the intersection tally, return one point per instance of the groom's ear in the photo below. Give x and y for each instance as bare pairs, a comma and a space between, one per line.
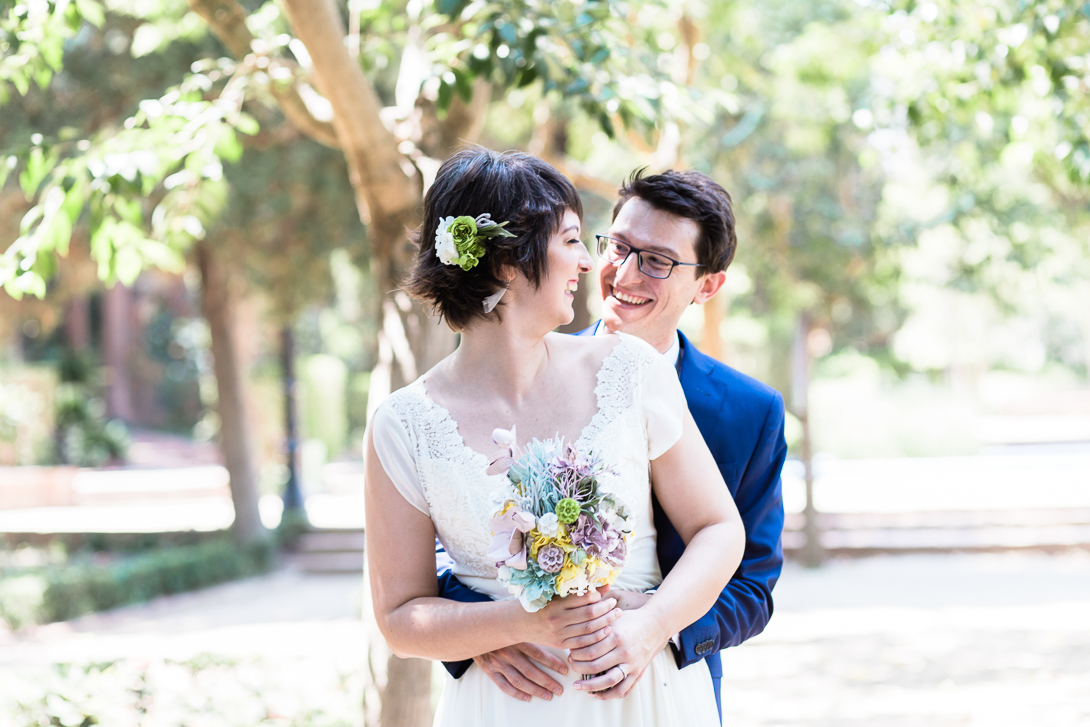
709, 286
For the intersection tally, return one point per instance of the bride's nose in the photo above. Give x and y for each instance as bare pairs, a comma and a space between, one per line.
586, 264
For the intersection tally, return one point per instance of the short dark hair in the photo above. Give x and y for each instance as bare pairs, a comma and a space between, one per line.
694, 196
527, 193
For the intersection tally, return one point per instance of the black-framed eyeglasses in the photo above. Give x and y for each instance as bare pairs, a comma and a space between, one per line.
651, 264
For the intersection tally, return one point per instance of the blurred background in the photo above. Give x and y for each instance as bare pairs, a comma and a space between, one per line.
205, 210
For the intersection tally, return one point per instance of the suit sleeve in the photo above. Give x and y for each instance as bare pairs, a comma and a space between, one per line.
745, 605
452, 588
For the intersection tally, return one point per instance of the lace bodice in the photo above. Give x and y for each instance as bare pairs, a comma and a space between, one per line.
640, 410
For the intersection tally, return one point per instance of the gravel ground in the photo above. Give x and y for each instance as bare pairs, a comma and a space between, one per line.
921, 641
891, 641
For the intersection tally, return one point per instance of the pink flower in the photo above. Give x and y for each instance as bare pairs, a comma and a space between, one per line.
507, 441
508, 545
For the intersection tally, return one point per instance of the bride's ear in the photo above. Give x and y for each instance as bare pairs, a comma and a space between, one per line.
507, 274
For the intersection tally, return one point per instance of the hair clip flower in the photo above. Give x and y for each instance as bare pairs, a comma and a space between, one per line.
460, 240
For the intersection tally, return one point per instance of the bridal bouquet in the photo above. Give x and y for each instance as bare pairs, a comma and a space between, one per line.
558, 531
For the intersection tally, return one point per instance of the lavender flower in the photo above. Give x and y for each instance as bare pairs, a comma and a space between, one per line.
599, 541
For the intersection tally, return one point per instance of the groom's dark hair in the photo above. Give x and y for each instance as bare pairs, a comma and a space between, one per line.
513, 187
694, 196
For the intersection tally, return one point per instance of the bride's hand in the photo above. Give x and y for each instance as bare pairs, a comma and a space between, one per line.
620, 659
573, 622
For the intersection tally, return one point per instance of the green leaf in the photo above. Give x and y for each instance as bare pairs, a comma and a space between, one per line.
74, 199
12, 290
102, 246
6, 167
129, 210
129, 265
22, 83
92, 12
607, 124
228, 147
52, 50
32, 283
162, 256
34, 214
58, 234
38, 166
480, 66
45, 266
43, 77
528, 76
452, 7
446, 95
464, 85
247, 124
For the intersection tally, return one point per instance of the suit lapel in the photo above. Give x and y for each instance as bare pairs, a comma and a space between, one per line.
705, 392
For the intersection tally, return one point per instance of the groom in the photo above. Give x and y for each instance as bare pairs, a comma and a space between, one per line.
681, 225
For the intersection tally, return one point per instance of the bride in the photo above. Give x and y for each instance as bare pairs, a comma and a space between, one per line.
504, 286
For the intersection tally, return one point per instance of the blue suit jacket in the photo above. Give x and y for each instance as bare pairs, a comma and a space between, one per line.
742, 422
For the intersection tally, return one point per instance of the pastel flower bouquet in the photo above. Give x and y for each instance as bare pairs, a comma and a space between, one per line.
559, 532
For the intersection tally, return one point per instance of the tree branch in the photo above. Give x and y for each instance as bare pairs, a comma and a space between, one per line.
384, 180
227, 20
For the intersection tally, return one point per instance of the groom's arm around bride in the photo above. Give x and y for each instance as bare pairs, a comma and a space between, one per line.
680, 224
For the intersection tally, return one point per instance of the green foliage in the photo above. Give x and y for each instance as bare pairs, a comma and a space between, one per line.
598, 53
65, 592
32, 38
323, 688
325, 380
175, 146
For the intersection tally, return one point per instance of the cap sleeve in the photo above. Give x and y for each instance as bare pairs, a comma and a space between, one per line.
395, 452
663, 402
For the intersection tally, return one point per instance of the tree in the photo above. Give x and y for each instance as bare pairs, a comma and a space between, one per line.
396, 91
995, 94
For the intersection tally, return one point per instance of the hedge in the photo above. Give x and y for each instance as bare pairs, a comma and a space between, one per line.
60, 593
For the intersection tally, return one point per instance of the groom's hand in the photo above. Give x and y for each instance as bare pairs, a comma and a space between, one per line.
629, 600
515, 672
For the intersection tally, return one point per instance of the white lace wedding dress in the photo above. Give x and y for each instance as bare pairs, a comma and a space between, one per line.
640, 409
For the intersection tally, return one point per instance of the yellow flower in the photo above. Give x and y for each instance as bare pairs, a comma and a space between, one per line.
537, 542
568, 572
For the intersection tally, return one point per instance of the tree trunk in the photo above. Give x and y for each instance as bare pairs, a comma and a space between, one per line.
116, 348
813, 553
406, 700
236, 439
77, 323
293, 493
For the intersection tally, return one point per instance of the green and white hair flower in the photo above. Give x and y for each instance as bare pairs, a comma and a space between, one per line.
460, 240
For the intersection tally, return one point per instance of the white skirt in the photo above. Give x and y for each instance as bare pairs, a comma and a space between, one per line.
664, 697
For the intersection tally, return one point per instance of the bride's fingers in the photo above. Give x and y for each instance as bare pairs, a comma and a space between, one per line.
582, 642
589, 652
586, 614
606, 680
621, 689
586, 628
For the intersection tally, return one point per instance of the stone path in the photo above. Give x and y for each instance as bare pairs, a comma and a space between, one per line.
935, 640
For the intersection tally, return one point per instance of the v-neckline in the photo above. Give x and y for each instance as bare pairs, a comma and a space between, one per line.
598, 414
